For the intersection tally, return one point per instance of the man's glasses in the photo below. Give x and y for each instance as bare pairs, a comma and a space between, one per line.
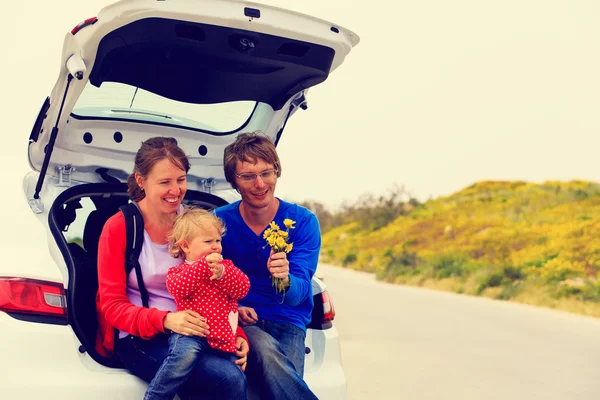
266, 175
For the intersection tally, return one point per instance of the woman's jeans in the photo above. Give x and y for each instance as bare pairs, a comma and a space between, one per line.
212, 376
276, 360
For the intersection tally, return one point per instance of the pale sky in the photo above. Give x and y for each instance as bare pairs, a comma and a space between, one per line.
437, 95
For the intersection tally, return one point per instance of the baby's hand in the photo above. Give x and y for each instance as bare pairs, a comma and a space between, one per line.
214, 262
214, 259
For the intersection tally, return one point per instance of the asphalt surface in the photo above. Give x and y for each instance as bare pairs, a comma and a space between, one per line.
409, 343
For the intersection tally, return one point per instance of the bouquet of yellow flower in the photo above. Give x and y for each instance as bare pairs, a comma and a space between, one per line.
278, 240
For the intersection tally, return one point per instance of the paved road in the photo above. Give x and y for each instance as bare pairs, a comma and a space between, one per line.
408, 343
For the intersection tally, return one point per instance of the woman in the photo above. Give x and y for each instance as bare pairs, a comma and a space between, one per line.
157, 186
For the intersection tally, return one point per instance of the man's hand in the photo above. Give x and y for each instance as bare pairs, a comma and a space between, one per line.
241, 352
247, 316
279, 266
214, 263
187, 323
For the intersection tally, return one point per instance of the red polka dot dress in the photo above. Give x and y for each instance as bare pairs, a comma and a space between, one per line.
216, 300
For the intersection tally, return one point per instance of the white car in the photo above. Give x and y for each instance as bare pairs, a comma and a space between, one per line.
200, 71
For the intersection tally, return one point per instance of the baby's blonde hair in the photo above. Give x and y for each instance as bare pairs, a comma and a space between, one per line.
186, 226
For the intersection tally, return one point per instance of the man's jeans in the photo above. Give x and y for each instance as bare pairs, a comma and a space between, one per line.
276, 360
212, 376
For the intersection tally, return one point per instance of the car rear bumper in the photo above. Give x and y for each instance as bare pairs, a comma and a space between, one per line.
323, 368
43, 361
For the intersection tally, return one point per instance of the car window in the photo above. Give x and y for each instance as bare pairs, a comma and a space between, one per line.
120, 101
74, 234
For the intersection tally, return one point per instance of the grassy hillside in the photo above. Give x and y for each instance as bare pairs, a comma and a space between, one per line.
532, 243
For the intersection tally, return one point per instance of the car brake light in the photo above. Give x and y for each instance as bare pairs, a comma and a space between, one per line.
328, 309
89, 21
32, 296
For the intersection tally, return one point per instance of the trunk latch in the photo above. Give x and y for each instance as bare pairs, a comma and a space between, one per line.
64, 175
207, 184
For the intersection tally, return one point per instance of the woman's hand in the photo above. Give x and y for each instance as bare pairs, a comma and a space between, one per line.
241, 352
187, 323
247, 316
279, 266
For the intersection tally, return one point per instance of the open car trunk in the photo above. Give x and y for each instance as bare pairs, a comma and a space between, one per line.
76, 220
199, 71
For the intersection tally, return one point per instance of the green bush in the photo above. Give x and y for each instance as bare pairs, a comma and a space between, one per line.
401, 264
509, 291
349, 259
590, 291
513, 273
496, 278
449, 265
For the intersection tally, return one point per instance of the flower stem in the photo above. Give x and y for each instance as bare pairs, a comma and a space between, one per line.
279, 286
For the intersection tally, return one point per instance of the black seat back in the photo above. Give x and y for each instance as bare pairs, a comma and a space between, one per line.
83, 290
84, 276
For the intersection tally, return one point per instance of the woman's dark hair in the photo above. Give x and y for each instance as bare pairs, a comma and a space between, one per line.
152, 151
249, 147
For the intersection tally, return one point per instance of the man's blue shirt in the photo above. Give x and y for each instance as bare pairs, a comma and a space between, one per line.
250, 252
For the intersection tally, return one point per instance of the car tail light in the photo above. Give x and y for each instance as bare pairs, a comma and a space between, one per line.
328, 309
89, 21
32, 297
323, 311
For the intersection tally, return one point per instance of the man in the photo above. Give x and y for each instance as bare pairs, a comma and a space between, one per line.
274, 322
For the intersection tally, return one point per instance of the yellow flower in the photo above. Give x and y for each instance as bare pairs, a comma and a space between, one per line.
277, 239
280, 242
